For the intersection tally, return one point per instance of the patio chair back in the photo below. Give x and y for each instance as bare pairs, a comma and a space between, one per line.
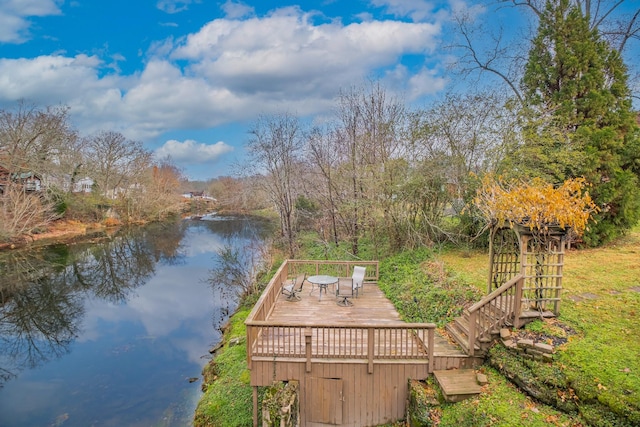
345, 290
292, 290
358, 279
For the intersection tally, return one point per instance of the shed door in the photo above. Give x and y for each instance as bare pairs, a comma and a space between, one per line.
324, 400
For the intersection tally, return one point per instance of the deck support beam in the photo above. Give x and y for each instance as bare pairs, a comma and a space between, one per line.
255, 406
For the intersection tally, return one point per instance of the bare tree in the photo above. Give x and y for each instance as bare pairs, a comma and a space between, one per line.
155, 195
275, 151
500, 59
32, 141
29, 136
117, 163
23, 212
237, 267
482, 51
324, 153
369, 124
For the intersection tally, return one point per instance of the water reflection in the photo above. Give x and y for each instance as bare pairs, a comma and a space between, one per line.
120, 319
43, 291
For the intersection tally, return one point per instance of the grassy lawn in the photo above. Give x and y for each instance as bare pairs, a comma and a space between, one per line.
601, 301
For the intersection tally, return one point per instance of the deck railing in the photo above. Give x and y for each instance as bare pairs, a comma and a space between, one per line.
401, 341
494, 310
368, 342
332, 268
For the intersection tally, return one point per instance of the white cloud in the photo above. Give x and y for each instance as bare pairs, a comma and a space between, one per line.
191, 152
50, 79
286, 55
229, 70
425, 82
174, 6
463, 8
14, 14
235, 10
417, 10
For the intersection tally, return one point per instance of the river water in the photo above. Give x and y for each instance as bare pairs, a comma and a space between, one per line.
116, 332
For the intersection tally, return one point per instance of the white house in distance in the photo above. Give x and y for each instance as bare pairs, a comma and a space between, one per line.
84, 185
201, 195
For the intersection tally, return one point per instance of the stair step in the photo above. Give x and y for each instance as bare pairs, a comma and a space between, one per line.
462, 324
457, 384
536, 314
460, 336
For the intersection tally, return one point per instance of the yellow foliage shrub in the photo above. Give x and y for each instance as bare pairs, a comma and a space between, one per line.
535, 204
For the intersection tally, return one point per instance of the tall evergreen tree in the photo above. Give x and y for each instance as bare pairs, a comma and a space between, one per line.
579, 120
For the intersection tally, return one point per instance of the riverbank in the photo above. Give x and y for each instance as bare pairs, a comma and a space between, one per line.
62, 231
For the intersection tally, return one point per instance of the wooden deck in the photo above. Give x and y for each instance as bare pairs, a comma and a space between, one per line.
371, 307
355, 360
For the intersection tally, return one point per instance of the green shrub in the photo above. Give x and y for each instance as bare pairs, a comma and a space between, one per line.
421, 290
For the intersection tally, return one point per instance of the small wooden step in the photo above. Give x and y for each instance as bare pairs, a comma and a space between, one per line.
536, 314
458, 384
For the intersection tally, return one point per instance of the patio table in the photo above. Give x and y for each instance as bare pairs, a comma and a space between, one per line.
322, 281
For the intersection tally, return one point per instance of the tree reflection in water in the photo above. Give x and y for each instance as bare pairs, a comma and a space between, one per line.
241, 255
42, 291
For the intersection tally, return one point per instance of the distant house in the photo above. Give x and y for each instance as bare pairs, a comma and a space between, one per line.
198, 195
84, 185
29, 180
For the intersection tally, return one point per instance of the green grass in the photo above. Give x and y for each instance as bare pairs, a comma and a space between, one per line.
502, 404
602, 361
227, 400
421, 290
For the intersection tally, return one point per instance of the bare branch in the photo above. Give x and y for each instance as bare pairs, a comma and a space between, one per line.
492, 57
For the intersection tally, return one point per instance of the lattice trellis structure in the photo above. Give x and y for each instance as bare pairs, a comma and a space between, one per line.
539, 258
504, 257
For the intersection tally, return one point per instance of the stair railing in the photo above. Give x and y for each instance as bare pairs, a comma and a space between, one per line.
494, 311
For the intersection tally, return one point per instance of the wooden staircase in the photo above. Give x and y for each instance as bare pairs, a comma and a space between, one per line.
479, 324
459, 331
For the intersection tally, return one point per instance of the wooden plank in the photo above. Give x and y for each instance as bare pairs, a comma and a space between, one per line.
457, 384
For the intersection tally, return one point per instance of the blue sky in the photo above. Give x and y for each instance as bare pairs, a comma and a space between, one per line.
188, 77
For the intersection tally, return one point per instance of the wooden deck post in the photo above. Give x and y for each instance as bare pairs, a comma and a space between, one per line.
255, 406
472, 332
517, 301
307, 345
430, 339
371, 347
492, 255
249, 345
